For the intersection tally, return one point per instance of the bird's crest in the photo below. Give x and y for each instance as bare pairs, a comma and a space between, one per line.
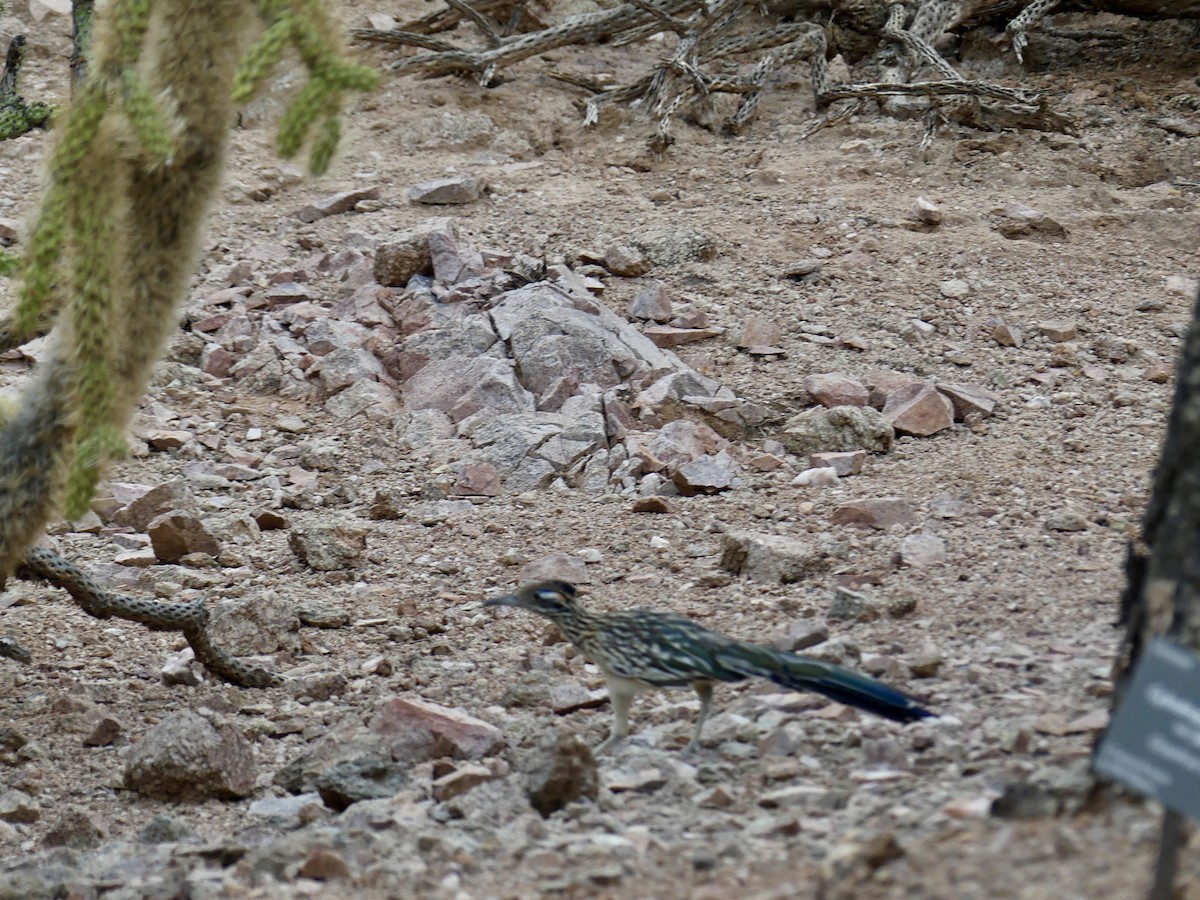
552, 590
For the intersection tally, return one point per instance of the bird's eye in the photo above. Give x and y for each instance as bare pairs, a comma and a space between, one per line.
547, 596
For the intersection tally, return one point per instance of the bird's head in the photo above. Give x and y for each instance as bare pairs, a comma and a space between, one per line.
553, 599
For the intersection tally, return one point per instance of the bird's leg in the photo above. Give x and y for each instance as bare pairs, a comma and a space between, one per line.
704, 690
621, 697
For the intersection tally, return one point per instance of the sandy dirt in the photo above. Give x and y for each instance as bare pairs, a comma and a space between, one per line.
1020, 614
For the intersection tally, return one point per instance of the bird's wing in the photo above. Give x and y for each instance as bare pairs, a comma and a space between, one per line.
664, 649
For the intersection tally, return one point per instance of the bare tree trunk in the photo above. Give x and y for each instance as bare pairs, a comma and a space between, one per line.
1162, 596
1163, 567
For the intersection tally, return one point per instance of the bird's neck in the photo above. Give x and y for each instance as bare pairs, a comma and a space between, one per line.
575, 622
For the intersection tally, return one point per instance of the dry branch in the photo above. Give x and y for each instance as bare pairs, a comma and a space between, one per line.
708, 36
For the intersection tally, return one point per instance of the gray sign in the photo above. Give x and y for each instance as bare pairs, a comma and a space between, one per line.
1153, 743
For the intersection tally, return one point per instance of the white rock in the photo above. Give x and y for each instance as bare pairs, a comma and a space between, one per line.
919, 550
180, 668
381, 21
819, 477
1182, 285
40, 9
954, 289
926, 212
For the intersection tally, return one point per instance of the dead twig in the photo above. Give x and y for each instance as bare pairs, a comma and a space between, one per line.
707, 38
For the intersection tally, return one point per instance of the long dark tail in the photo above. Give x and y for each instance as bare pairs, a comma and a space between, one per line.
802, 673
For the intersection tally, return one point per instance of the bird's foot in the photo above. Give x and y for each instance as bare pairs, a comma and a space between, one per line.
606, 745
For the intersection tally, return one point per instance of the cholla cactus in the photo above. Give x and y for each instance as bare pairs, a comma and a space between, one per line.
302, 25
138, 159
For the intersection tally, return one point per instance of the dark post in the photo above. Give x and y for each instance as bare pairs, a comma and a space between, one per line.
1162, 593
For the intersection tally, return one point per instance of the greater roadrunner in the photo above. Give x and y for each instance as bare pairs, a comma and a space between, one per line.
639, 649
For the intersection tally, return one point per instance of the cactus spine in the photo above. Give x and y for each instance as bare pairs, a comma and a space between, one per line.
135, 168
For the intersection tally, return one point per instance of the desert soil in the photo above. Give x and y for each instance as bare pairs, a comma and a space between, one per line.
1018, 618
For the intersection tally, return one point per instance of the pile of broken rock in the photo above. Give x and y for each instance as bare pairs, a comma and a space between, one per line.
513, 384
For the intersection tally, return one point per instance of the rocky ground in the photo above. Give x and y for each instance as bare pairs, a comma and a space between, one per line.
615, 368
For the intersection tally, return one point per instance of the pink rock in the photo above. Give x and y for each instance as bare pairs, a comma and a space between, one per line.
414, 313
453, 260
669, 336
878, 512
460, 386
969, 398
618, 417
324, 865
835, 389
1017, 220
284, 275
178, 533
232, 471
1181, 285
920, 410
325, 335
138, 512
461, 780
628, 262
417, 730
104, 732
1006, 335
269, 519
706, 475
336, 203
163, 440
270, 252
1159, 372
652, 505
675, 444
476, 480
651, 303
191, 755
760, 333
690, 317
299, 315
845, 463
211, 323
368, 398
446, 191
764, 462
286, 294
557, 567
227, 296
882, 383
396, 263
142, 558
367, 306
237, 334
339, 369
